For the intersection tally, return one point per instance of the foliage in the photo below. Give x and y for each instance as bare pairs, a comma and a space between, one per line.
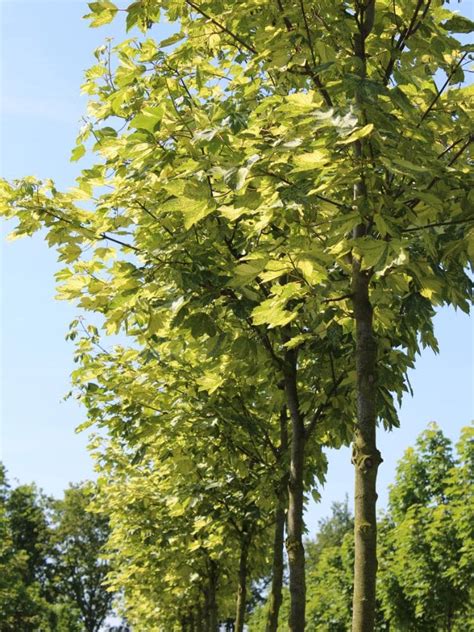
51, 578
255, 171
427, 555
23, 559
79, 571
426, 541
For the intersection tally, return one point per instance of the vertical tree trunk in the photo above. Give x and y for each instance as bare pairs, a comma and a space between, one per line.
294, 541
201, 619
242, 587
365, 457
212, 597
277, 571
279, 535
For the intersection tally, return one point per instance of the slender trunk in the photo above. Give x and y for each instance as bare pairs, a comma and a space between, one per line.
365, 457
213, 619
294, 541
449, 625
206, 620
279, 535
242, 587
201, 619
277, 571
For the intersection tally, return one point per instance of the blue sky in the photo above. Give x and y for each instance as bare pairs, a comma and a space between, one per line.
46, 47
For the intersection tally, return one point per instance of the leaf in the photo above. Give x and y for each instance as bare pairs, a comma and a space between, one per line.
201, 324
405, 167
173, 39
302, 100
360, 133
193, 210
309, 161
459, 24
371, 250
102, 12
242, 174
148, 119
297, 341
210, 382
272, 312
77, 153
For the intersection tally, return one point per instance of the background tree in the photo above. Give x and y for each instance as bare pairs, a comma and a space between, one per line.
78, 537
51, 577
428, 537
24, 549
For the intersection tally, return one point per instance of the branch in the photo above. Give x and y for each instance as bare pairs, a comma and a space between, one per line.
313, 74
454, 144
144, 208
339, 298
101, 236
223, 28
436, 224
441, 90
286, 20
317, 196
404, 35
413, 203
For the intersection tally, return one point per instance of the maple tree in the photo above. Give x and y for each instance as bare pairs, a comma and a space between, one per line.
297, 169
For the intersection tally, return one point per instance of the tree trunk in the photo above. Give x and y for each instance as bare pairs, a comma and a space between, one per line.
242, 587
277, 571
279, 535
365, 457
213, 619
294, 541
201, 619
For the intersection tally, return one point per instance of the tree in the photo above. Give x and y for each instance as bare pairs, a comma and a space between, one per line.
79, 537
51, 577
297, 165
427, 564
216, 503
23, 559
175, 393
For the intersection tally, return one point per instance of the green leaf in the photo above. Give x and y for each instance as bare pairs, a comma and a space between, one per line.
148, 119
272, 312
200, 324
241, 177
102, 12
193, 210
360, 133
77, 153
312, 160
459, 24
371, 250
210, 382
173, 39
